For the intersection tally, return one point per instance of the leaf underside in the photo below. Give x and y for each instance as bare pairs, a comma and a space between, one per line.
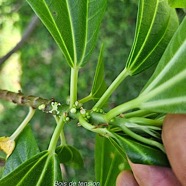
70, 155
156, 24
99, 84
177, 3
26, 147
107, 161
42, 169
74, 24
165, 91
141, 153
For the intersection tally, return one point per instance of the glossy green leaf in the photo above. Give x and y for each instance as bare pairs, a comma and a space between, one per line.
141, 153
99, 84
177, 3
70, 155
125, 164
165, 91
42, 169
74, 24
156, 24
1, 171
2, 156
64, 153
26, 147
107, 162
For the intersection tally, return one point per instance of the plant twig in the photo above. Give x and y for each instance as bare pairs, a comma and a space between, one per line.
46, 105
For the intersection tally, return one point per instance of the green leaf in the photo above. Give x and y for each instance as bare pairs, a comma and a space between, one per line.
2, 156
107, 162
74, 24
26, 147
141, 153
156, 24
99, 84
2, 161
125, 164
42, 169
165, 91
177, 3
64, 153
1, 171
69, 155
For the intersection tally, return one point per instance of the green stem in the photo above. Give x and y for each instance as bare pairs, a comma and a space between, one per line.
102, 131
62, 135
73, 85
86, 99
56, 135
142, 139
111, 88
122, 108
23, 124
139, 113
146, 121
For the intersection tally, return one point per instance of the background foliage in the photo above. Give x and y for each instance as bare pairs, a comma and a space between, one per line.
37, 69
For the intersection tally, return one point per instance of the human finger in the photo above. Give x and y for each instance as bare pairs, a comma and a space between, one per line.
148, 175
126, 178
174, 139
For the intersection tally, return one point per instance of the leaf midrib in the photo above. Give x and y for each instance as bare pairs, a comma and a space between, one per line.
40, 159
72, 33
43, 171
165, 31
170, 101
53, 22
179, 77
148, 33
165, 70
86, 33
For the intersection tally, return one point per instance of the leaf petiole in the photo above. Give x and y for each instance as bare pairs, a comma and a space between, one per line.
146, 121
23, 124
56, 134
101, 131
112, 88
122, 108
62, 135
73, 85
142, 139
86, 99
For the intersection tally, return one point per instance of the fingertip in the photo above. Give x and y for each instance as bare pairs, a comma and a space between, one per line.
126, 178
154, 175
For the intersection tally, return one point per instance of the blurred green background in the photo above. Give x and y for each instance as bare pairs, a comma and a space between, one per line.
39, 68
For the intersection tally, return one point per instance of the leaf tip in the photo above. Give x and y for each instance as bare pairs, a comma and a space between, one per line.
7, 145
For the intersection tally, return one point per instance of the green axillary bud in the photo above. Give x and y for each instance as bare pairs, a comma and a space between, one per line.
41, 107
95, 109
78, 104
73, 110
67, 119
98, 110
